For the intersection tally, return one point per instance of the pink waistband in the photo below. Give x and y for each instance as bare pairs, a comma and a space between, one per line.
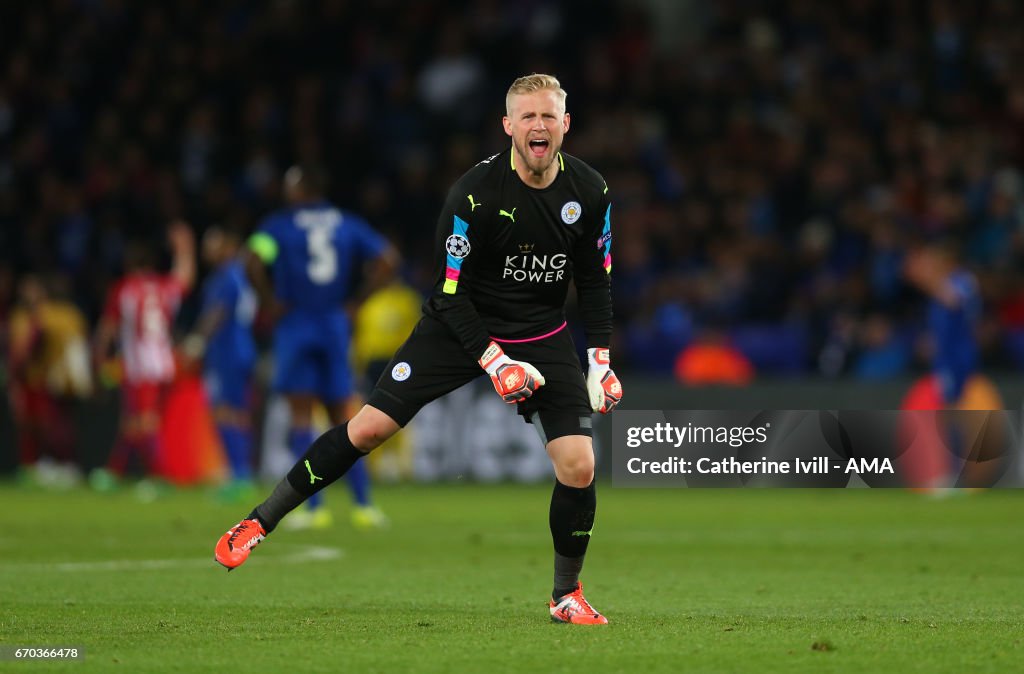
531, 339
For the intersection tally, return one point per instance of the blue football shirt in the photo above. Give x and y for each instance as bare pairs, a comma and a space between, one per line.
319, 252
953, 330
228, 289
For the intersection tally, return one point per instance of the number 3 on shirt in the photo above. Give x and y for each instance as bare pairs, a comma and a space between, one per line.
323, 259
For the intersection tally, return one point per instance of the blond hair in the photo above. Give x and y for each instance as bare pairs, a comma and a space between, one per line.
527, 84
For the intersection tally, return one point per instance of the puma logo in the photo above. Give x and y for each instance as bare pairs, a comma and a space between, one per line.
472, 204
312, 478
511, 216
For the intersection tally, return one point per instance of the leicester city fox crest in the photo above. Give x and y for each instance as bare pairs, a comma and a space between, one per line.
401, 371
571, 212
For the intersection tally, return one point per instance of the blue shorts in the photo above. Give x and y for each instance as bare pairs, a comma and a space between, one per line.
227, 384
311, 356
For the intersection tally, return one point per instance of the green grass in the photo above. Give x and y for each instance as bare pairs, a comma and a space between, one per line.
699, 580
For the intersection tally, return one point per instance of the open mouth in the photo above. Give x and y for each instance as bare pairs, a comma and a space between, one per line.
539, 147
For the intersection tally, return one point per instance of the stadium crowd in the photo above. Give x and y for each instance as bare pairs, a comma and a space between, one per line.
770, 162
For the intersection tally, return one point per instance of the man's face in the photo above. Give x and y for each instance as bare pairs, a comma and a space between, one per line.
213, 246
291, 185
537, 122
32, 292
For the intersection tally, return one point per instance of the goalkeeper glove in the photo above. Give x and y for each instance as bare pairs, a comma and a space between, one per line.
514, 380
602, 384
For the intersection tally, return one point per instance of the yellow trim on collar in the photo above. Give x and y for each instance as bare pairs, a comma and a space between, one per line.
512, 159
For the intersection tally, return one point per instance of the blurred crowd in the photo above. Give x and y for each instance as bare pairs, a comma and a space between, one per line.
769, 162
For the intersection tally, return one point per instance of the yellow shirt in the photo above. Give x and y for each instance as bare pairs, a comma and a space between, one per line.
60, 360
383, 322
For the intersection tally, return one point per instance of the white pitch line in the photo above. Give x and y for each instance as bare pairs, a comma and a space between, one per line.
308, 553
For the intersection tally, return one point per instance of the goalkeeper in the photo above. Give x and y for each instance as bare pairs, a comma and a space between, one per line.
515, 230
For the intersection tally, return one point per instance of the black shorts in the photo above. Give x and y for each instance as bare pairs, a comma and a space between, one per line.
432, 363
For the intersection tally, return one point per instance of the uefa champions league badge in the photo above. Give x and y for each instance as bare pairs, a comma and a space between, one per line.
571, 212
457, 246
401, 371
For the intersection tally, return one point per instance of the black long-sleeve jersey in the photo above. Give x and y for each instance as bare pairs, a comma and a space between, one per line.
508, 252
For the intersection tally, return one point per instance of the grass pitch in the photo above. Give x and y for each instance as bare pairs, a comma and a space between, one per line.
696, 581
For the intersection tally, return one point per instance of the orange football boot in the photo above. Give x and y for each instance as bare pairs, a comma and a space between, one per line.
574, 608
234, 546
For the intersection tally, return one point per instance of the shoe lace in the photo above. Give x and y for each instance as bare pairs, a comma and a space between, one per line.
575, 602
240, 529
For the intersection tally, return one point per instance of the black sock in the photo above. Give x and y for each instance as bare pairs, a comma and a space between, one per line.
327, 459
571, 519
281, 501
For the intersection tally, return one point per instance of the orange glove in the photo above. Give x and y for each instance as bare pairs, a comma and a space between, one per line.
514, 380
602, 383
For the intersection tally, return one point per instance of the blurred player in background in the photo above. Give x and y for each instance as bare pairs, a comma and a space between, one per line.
954, 314
953, 320
223, 341
138, 317
49, 368
314, 252
514, 232
382, 324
